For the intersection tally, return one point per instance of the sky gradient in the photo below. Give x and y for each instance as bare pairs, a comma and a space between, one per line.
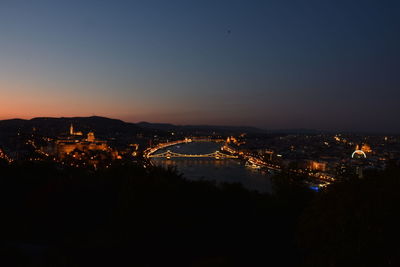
332, 65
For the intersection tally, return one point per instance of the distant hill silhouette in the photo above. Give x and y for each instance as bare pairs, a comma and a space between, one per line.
206, 129
298, 131
56, 126
105, 126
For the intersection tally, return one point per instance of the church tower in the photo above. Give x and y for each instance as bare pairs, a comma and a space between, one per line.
71, 130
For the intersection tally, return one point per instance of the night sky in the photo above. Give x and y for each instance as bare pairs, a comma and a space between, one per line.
332, 65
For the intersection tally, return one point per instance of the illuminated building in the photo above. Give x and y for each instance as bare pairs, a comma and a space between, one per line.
75, 141
90, 137
72, 132
316, 165
366, 148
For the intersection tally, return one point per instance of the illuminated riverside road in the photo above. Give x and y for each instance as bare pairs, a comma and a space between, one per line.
220, 170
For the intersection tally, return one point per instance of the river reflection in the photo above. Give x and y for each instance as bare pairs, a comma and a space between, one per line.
223, 170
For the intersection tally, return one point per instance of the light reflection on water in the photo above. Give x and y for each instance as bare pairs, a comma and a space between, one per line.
224, 170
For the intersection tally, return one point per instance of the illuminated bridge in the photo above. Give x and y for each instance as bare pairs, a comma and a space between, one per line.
169, 154
151, 150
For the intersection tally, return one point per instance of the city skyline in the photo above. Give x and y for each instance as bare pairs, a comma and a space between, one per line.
199, 133
275, 65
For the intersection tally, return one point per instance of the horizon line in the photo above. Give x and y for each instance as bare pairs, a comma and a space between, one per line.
270, 130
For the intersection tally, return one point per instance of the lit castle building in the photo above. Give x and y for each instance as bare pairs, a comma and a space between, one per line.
75, 141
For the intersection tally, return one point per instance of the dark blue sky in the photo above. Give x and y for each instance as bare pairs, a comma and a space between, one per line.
272, 64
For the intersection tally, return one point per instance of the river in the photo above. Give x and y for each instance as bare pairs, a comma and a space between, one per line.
223, 170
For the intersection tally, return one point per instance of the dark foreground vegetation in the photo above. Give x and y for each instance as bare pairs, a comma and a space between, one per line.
133, 216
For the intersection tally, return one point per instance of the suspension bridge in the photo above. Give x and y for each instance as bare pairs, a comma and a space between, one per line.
169, 154
150, 152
